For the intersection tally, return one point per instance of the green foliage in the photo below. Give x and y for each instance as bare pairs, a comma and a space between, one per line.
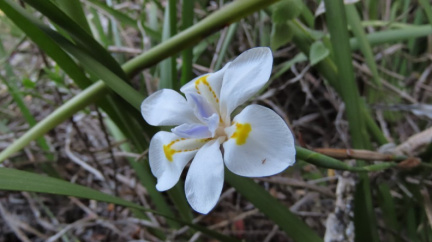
318, 52
27, 83
286, 10
280, 35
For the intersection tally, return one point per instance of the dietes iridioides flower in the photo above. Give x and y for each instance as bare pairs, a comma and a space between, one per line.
256, 142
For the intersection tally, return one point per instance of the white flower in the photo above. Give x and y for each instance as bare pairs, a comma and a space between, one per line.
256, 143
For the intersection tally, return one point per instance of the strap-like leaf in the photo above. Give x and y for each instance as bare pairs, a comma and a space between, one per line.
16, 180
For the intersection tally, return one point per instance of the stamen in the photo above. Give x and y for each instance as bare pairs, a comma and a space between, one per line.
242, 133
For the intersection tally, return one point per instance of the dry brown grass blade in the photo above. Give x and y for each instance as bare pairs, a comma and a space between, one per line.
415, 143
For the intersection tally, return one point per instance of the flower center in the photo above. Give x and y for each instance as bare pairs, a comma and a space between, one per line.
220, 132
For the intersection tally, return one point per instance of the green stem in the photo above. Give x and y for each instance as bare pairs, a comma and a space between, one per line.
74, 105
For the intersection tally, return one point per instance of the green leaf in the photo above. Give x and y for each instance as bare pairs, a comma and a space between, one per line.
286, 10
16, 180
280, 35
27, 83
318, 52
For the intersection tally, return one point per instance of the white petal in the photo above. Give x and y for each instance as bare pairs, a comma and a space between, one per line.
166, 166
246, 75
265, 149
167, 107
205, 178
207, 85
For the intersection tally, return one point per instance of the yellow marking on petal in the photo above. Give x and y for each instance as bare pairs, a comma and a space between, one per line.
204, 81
242, 133
169, 152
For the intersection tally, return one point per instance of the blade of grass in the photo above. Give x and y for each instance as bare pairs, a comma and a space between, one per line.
411, 224
355, 23
388, 209
374, 130
168, 71
115, 35
364, 216
16, 180
336, 21
427, 8
402, 62
74, 10
413, 44
99, 32
227, 41
187, 54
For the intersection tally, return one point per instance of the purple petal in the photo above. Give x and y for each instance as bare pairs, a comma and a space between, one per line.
197, 131
202, 107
